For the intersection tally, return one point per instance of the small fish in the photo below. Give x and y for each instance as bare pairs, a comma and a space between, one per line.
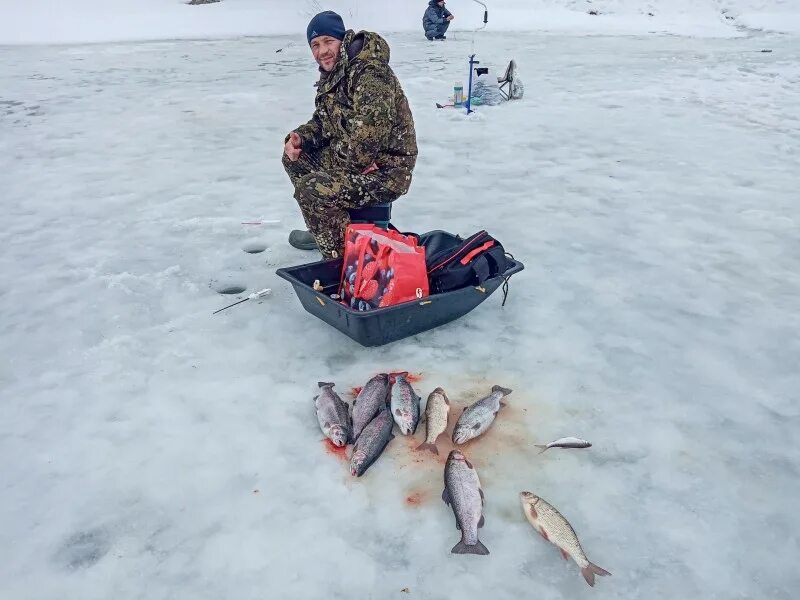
404, 404
554, 528
370, 444
370, 400
436, 412
478, 418
332, 415
463, 493
567, 442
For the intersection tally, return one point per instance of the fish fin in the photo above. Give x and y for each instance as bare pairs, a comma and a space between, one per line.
499, 388
503, 404
481, 522
543, 447
469, 464
590, 571
427, 446
533, 512
483, 500
464, 409
564, 554
462, 548
323, 384
543, 533
446, 496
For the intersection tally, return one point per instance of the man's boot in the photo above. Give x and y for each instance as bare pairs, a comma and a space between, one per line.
302, 240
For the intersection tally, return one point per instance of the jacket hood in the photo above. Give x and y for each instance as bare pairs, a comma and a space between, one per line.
364, 46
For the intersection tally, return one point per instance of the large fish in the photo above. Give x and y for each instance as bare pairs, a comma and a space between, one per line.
370, 444
553, 527
404, 404
332, 415
478, 418
436, 412
370, 400
463, 493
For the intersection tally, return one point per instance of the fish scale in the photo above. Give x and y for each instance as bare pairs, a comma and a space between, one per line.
478, 417
437, 410
404, 404
553, 527
332, 414
462, 491
370, 401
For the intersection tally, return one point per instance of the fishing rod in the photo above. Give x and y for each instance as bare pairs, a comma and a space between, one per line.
253, 296
485, 14
472, 61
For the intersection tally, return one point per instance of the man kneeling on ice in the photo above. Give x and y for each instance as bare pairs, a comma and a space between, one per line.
436, 20
360, 147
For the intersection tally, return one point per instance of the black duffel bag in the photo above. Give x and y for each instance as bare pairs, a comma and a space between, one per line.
455, 263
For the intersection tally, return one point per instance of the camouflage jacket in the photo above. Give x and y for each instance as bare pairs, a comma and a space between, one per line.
362, 115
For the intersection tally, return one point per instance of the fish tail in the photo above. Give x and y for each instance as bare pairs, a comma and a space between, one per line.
478, 548
542, 446
501, 389
590, 570
427, 446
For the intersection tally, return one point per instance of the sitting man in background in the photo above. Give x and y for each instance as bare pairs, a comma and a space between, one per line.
436, 20
360, 147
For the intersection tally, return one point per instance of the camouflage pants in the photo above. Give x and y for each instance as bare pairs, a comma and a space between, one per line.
324, 195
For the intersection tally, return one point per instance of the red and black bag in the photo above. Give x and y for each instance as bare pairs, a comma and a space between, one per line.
455, 263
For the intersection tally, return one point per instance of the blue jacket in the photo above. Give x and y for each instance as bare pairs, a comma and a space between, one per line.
435, 16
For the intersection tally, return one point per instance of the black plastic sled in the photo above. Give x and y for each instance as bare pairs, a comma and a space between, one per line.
384, 325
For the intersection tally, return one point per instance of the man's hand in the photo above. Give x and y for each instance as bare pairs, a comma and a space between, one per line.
370, 169
293, 147
450, 18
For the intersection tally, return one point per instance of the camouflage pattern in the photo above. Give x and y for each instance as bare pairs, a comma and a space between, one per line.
325, 194
362, 117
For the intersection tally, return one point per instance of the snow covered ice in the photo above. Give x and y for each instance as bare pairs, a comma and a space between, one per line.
150, 450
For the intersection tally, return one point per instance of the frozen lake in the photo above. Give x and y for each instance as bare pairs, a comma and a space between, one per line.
149, 450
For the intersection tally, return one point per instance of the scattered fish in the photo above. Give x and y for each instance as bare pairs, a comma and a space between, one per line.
478, 418
567, 442
404, 404
554, 528
332, 414
436, 412
370, 400
463, 493
370, 444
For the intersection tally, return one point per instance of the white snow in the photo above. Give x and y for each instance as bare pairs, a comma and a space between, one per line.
150, 450
59, 21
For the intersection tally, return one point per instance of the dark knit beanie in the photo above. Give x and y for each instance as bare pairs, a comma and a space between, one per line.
326, 23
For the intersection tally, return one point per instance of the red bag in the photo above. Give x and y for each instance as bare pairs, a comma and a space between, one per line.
381, 268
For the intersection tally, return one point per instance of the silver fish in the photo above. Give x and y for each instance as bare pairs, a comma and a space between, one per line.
404, 404
463, 493
370, 444
437, 410
370, 400
478, 418
567, 442
554, 528
332, 414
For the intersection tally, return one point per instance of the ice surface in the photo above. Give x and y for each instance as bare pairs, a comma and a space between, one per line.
59, 21
150, 450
